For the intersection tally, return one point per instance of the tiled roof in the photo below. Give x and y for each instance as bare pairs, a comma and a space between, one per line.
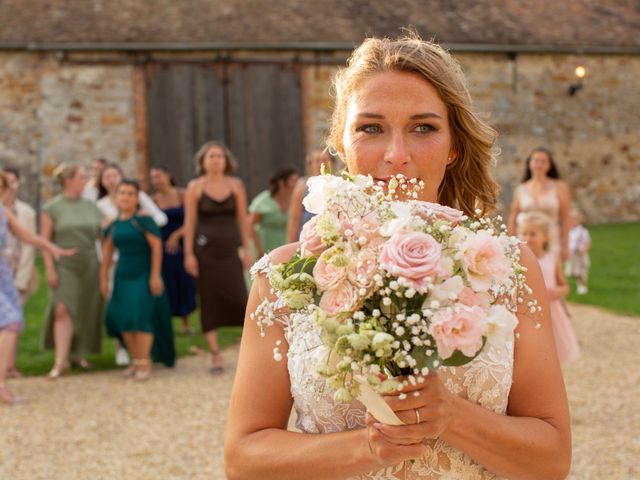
567, 23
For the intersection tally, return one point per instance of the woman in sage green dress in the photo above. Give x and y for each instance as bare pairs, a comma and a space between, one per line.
138, 310
73, 322
270, 212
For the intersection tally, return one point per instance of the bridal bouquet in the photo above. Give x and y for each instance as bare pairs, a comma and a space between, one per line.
393, 287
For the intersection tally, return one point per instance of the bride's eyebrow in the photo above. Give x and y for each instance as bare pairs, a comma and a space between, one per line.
423, 116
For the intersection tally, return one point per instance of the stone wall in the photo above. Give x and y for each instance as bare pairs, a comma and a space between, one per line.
52, 112
594, 135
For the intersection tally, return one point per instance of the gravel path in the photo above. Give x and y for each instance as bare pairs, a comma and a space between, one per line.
99, 426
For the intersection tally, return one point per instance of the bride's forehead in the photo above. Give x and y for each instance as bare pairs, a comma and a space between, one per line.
393, 89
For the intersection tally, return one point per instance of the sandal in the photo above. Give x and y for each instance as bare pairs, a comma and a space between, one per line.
60, 367
216, 369
130, 371
142, 374
81, 363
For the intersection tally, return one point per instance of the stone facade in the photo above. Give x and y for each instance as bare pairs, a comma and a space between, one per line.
594, 135
51, 112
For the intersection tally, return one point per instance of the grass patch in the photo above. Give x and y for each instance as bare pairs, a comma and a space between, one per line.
614, 278
33, 361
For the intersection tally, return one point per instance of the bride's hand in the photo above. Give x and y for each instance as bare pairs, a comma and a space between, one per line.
428, 401
387, 453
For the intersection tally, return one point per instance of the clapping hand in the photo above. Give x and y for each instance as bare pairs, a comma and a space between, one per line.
425, 406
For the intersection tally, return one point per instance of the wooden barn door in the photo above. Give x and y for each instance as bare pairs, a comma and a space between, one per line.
256, 109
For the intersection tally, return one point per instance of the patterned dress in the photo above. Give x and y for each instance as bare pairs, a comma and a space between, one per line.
485, 381
11, 317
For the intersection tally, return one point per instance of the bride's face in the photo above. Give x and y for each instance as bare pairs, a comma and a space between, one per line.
397, 124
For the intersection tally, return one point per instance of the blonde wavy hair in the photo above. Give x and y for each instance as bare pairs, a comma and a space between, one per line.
65, 171
467, 184
536, 219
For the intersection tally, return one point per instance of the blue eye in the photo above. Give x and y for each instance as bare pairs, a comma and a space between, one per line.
425, 128
369, 128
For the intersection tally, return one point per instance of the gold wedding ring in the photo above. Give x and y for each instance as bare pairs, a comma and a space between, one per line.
417, 410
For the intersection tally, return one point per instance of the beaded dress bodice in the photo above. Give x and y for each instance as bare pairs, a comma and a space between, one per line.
485, 381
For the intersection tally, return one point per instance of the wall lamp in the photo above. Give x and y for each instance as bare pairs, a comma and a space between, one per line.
575, 87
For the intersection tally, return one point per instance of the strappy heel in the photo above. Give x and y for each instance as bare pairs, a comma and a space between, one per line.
142, 375
216, 369
60, 367
130, 371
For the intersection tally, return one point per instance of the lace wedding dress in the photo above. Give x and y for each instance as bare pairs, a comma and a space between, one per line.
485, 381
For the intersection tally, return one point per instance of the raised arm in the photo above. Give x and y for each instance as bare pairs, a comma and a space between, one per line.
194, 190
150, 207
295, 211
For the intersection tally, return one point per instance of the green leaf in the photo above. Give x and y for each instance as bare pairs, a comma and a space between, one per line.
458, 358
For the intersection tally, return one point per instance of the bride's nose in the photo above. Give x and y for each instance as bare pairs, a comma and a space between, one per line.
397, 151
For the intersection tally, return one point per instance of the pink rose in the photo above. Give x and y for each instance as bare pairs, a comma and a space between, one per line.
428, 210
459, 329
326, 274
342, 298
414, 256
484, 260
471, 298
310, 241
363, 268
369, 229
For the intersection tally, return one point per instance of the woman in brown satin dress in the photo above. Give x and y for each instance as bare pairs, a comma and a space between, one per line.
215, 227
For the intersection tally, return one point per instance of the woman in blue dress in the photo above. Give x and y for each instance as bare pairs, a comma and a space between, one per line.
179, 284
138, 309
11, 316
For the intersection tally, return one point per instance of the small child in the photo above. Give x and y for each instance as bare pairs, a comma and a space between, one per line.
579, 244
533, 229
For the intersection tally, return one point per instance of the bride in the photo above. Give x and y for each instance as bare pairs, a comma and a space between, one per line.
402, 108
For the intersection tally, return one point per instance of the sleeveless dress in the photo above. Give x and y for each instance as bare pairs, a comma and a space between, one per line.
220, 282
566, 342
549, 204
132, 307
76, 224
485, 381
272, 228
11, 316
179, 284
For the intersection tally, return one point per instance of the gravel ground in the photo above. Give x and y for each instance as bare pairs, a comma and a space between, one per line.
100, 426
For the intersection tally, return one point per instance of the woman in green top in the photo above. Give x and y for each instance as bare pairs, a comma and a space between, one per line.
138, 309
270, 212
73, 322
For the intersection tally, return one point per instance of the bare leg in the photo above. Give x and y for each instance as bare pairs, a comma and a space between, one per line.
62, 335
7, 339
214, 346
144, 342
186, 328
13, 352
130, 342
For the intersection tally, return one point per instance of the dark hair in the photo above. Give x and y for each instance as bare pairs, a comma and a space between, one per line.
102, 191
172, 181
13, 170
231, 165
130, 182
281, 174
553, 170
102, 161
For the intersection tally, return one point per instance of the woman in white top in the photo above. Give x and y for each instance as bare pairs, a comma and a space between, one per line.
110, 178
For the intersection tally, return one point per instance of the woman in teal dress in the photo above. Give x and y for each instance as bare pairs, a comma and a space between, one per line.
138, 310
270, 212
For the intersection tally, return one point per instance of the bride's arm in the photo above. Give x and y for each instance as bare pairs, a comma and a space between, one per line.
533, 441
257, 444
